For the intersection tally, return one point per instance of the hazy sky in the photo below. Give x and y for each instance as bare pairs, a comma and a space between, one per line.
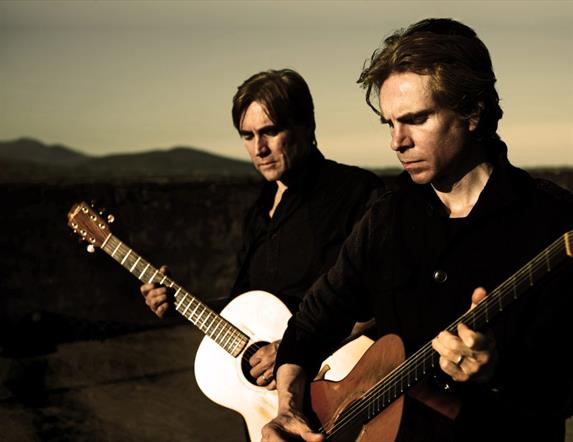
124, 76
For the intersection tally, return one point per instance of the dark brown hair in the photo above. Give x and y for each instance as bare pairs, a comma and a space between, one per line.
285, 96
459, 64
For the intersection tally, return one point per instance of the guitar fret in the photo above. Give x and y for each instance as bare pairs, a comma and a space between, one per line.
212, 321
143, 271
218, 331
223, 333
125, 257
547, 261
104, 243
136, 261
189, 304
115, 250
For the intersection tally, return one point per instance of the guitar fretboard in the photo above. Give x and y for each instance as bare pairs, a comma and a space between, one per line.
213, 325
424, 361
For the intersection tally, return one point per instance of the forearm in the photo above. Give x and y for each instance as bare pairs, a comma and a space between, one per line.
291, 384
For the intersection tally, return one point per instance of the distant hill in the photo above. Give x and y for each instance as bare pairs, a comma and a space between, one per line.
25, 160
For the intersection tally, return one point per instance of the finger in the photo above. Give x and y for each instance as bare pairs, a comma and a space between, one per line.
164, 270
467, 335
161, 310
448, 345
146, 288
265, 378
457, 371
478, 296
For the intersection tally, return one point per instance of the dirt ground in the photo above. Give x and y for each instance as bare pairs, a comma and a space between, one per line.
136, 387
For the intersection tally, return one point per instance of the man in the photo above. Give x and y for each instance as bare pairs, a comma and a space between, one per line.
462, 218
306, 208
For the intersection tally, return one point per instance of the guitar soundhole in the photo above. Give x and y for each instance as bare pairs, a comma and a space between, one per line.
245, 366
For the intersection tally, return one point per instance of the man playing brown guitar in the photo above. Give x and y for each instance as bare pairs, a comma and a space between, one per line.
463, 217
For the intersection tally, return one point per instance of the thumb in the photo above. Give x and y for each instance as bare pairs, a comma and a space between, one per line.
311, 436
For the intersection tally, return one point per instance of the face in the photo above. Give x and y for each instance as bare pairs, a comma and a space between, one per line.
431, 142
273, 150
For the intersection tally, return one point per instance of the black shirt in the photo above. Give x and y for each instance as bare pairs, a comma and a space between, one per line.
285, 254
388, 267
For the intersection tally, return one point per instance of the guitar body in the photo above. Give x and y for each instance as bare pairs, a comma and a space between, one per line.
330, 400
263, 317
223, 379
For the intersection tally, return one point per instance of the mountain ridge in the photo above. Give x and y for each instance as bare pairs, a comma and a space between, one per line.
27, 159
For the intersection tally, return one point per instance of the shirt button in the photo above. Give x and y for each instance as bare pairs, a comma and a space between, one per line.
440, 276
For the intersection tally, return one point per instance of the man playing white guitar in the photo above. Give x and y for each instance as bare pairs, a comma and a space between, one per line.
306, 208
463, 217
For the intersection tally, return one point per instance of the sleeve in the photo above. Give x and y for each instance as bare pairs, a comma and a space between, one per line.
336, 301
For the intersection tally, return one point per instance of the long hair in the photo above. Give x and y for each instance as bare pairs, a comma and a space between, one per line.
457, 61
285, 96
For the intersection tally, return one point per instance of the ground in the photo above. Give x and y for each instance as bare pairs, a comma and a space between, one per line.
135, 387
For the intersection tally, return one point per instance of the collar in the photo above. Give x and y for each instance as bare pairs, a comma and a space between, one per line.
300, 180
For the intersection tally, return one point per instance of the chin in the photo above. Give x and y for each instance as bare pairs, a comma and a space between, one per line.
420, 177
271, 176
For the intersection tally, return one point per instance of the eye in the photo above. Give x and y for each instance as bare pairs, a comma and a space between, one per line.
272, 131
421, 119
247, 136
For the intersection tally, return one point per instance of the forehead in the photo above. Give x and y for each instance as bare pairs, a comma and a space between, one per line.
403, 93
255, 116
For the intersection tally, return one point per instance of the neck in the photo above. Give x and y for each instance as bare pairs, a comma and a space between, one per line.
281, 187
460, 196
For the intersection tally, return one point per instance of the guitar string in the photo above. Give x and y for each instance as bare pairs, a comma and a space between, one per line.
234, 337
413, 359
367, 398
387, 386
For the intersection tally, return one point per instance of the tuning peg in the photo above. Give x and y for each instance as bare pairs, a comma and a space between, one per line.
90, 248
101, 211
110, 218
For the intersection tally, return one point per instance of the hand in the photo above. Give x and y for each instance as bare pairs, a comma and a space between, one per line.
156, 297
288, 426
263, 364
470, 354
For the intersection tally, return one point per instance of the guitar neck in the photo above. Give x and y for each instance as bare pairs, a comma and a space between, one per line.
423, 362
229, 337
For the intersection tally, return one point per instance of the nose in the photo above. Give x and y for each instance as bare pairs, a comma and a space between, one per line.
261, 146
401, 139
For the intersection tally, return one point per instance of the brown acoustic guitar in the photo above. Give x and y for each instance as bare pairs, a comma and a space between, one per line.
367, 405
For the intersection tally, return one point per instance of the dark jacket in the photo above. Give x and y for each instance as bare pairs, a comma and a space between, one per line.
285, 254
415, 270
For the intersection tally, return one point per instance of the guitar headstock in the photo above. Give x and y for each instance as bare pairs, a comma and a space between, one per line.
88, 224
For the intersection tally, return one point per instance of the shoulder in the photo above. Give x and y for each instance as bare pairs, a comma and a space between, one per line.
332, 170
544, 190
551, 191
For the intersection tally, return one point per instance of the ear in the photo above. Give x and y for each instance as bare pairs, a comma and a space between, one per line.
474, 117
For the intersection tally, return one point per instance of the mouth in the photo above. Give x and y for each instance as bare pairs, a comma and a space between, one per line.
410, 164
267, 164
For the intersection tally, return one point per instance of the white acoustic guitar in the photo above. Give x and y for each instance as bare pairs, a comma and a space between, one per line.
247, 323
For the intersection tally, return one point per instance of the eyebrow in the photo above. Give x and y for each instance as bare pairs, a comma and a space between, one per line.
260, 130
410, 116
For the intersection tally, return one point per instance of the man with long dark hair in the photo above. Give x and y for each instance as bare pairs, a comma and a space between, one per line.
462, 221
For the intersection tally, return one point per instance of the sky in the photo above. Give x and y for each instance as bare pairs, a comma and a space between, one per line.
127, 76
